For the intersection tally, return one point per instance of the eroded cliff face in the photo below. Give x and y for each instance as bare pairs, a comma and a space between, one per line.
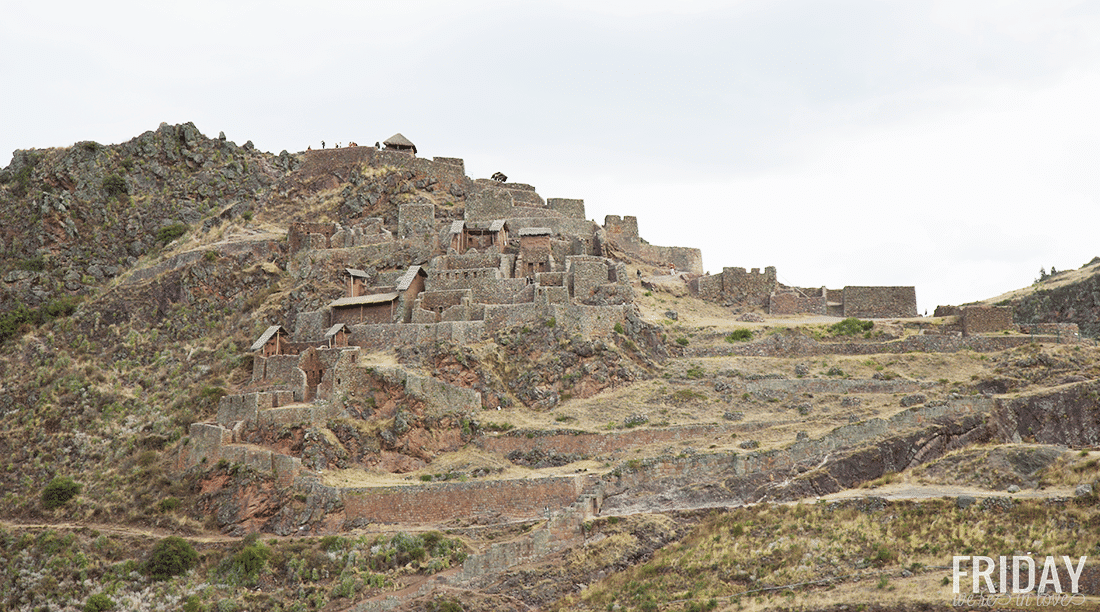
1067, 415
1077, 302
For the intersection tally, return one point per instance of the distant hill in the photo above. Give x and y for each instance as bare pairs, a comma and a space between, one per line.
1068, 296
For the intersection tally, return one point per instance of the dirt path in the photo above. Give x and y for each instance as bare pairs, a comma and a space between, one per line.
121, 530
911, 491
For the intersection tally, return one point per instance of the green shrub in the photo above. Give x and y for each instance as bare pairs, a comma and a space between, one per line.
210, 256
169, 504
252, 558
192, 604
682, 341
115, 186
99, 603
449, 605
168, 233
59, 491
850, 327
171, 556
619, 328
34, 264
739, 335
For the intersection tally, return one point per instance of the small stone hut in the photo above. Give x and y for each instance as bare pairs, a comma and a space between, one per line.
364, 309
274, 341
397, 142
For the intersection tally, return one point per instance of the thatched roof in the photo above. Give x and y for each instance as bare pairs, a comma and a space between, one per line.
356, 273
456, 226
399, 141
267, 335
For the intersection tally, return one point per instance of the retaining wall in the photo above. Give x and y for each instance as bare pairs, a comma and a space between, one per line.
801, 346
495, 500
880, 302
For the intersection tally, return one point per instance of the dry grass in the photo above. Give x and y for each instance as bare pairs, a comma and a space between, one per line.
732, 556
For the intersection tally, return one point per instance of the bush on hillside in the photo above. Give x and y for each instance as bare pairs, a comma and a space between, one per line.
59, 491
168, 233
850, 327
171, 556
99, 603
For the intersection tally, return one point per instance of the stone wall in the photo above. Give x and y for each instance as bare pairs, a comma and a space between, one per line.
585, 274
1069, 331
525, 195
499, 317
880, 302
310, 326
794, 303
985, 319
452, 161
298, 235
685, 259
280, 372
415, 220
753, 288
497, 501
469, 260
612, 294
445, 172
560, 226
235, 408
946, 311
377, 337
486, 284
568, 207
588, 321
489, 204
592, 444
623, 230
801, 346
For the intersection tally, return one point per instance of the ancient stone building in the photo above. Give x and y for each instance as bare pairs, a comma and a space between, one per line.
534, 251
478, 235
735, 285
880, 302
370, 308
985, 319
274, 341
358, 281
337, 335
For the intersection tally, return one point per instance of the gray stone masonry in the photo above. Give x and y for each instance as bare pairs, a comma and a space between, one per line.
489, 204
880, 302
573, 209
415, 220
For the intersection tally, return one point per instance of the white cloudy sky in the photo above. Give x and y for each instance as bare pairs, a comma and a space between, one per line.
949, 145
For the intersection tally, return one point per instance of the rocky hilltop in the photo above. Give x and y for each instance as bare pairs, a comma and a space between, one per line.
359, 379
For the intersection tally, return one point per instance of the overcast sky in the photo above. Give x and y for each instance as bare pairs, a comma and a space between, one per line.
953, 145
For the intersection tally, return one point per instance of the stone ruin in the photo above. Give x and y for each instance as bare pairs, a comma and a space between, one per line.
512, 259
761, 290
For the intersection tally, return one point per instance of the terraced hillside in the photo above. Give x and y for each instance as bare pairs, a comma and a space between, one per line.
632, 447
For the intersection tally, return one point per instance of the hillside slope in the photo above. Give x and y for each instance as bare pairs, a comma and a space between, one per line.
674, 449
